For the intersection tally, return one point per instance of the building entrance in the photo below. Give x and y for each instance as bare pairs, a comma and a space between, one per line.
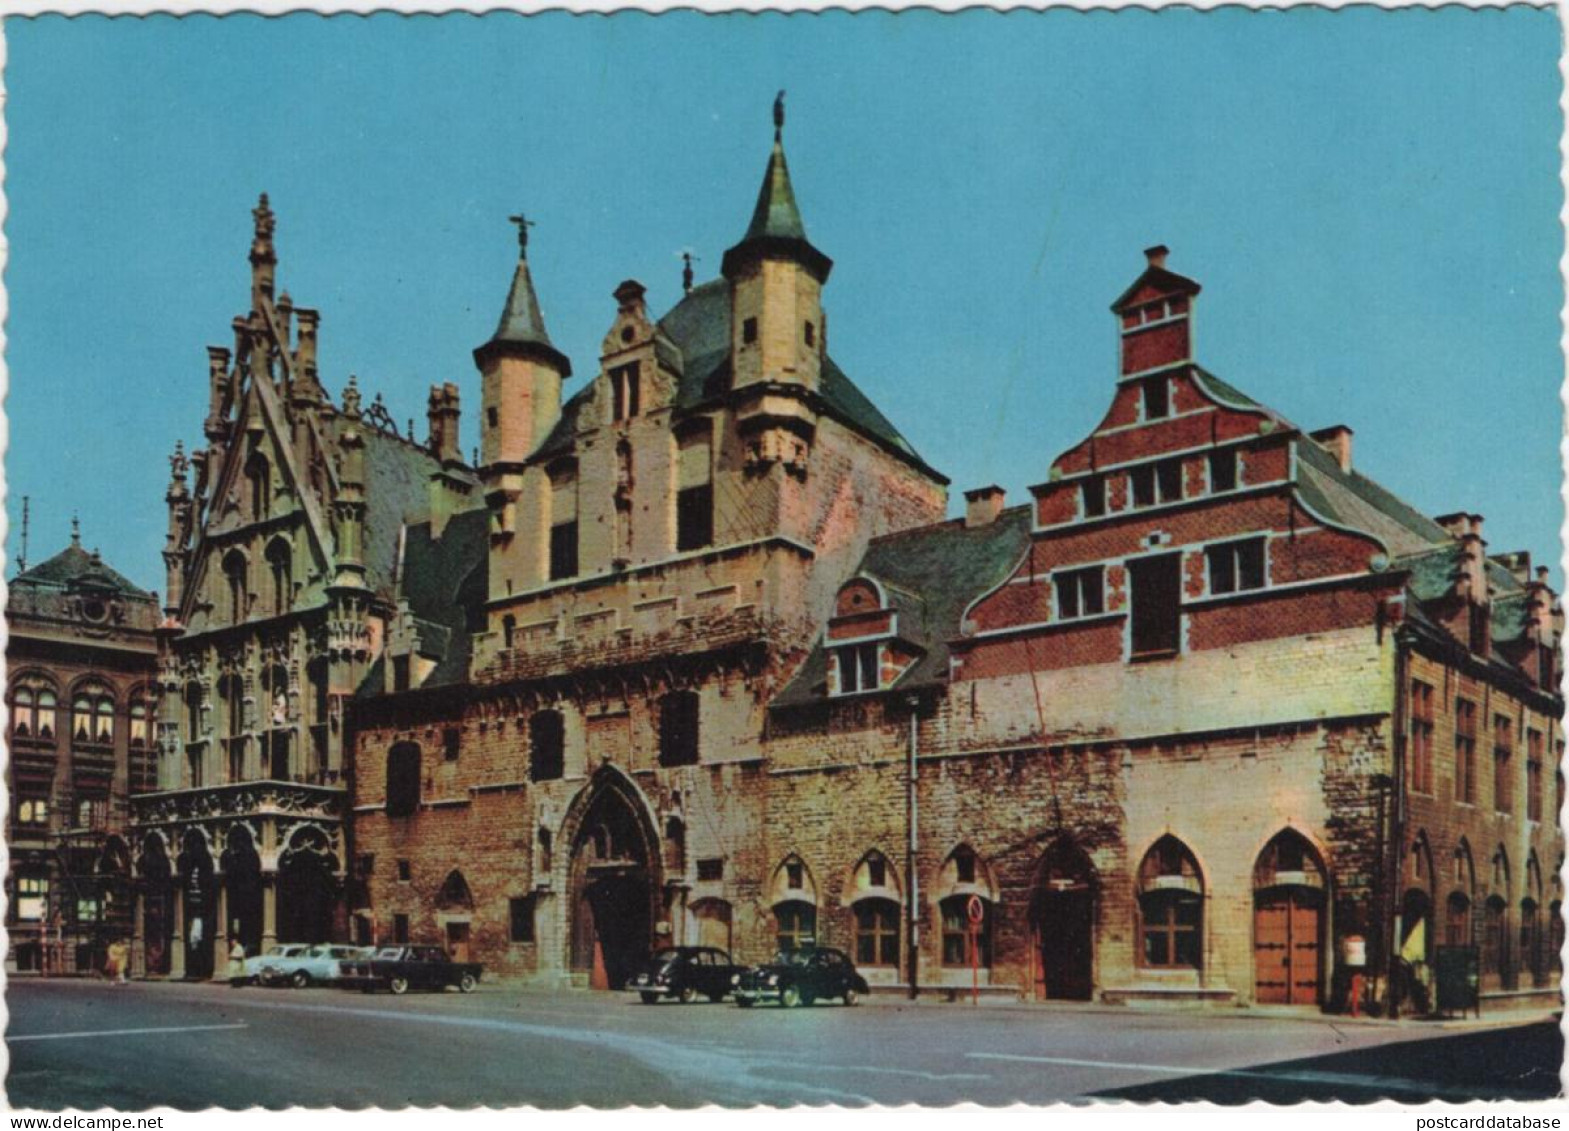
613, 888
1062, 925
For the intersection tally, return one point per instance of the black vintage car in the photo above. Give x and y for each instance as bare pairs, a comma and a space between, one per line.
800, 977
685, 973
402, 968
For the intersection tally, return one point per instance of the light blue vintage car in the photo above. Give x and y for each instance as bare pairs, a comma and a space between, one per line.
301, 964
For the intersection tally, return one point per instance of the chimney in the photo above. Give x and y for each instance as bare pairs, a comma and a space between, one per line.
982, 506
1458, 524
1155, 317
442, 414
629, 295
1157, 255
1336, 439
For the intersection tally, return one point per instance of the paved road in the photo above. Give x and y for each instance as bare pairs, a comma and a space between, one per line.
88, 1044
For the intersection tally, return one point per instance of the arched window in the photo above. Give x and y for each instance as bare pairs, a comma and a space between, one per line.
1531, 941
403, 784
877, 933
92, 714
678, 729
258, 474
455, 894
1495, 937
795, 925
32, 708
140, 734
509, 628
193, 712
234, 579
1555, 939
280, 562
1171, 907
546, 746
1457, 920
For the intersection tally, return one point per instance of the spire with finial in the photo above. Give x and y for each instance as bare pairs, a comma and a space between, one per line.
21, 558
351, 398
264, 259
776, 229
76, 531
522, 326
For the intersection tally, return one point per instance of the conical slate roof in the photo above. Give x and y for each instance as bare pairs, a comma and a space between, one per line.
777, 228
522, 327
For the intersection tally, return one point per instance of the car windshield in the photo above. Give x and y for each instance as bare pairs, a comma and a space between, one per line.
277, 951
793, 958
665, 957
390, 952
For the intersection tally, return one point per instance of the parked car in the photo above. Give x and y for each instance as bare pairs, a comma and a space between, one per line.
322, 963
402, 968
684, 973
266, 968
801, 977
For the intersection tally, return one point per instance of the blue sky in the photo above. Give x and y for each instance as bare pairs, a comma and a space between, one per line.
1369, 198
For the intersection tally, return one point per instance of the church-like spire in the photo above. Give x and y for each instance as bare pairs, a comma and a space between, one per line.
776, 229
522, 327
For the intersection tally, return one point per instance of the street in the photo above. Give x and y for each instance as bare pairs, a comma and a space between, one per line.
87, 1044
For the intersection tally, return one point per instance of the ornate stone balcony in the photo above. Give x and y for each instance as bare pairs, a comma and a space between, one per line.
238, 799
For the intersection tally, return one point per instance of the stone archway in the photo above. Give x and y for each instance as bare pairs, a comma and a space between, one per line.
198, 904
242, 883
613, 881
1062, 924
155, 879
307, 887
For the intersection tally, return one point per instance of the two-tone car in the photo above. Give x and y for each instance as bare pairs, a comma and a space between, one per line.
404, 968
801, 977
268, 968
685, 973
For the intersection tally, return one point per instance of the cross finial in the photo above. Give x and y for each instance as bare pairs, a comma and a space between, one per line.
779, 115
524, 224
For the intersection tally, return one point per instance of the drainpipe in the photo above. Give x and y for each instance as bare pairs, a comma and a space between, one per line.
1397, 828
913, 903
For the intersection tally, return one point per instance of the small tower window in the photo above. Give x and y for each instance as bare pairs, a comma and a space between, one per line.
492, 417
1157, 401
749, 331
811, 334
626, 392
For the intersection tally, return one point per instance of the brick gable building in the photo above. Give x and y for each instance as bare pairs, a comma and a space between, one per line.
692, 656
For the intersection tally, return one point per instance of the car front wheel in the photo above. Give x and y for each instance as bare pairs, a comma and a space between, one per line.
466, 984
790, 997
851, 997
688, 995
648, 998
398, 986
300, 980
744, 1002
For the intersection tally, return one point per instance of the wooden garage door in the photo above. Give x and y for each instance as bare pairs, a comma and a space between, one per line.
1286, 946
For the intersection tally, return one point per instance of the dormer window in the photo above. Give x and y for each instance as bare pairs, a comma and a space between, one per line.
626, 391
1080, 592
860, 668
1223, 470
1156, 398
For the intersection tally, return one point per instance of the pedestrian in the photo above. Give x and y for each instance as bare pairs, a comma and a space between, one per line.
237, 961
119, 959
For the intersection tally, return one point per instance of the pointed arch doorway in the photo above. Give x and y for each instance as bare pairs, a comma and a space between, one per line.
1062, 924
1289, 901
614, 885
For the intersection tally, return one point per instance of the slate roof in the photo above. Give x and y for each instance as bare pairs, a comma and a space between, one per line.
445, 581
522, 325
931, 575
75, 567
397, 489
699, 326
1167, 282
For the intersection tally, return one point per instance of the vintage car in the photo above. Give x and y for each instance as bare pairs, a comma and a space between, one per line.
402, 968
266, 968
323, 963
800, 977
685, 973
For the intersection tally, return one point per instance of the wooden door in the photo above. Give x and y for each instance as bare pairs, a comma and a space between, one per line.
458, 941
1065, 935
1286, 947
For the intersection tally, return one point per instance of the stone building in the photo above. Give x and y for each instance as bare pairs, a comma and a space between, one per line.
81, 691
693, 656
280, 559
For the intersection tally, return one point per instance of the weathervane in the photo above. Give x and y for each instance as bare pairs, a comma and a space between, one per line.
687, 259
778, 115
